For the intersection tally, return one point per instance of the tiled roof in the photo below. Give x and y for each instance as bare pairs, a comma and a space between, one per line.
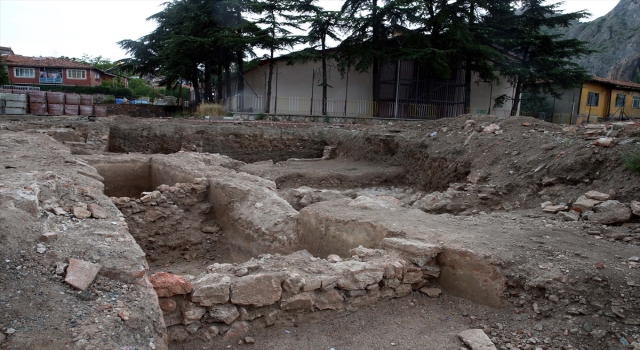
620, 83
50, 62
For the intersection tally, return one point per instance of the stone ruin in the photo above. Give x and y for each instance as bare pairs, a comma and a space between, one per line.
247, 251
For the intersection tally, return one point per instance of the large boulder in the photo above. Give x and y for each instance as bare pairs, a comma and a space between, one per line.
610, 212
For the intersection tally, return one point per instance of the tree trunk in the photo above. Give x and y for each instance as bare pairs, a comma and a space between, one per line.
467, 66
240, 78
376, 61
227, 79
219, 83
271, 64
324, 77
516, 99
196, 85
208, 91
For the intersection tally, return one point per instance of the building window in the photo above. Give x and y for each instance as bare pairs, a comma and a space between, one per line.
592, 99
97, 76
76, 74
24, 72
635, 103
620, 99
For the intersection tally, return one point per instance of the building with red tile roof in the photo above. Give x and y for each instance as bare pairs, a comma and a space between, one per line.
51, 70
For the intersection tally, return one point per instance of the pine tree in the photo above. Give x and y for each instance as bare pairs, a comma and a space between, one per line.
534, 59
276, 21
4, 75
322, 25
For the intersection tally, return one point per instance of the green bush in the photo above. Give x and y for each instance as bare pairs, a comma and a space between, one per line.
631, 158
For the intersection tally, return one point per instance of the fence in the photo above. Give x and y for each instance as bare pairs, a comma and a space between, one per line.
342, 108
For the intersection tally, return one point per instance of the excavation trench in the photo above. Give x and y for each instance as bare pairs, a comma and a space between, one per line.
251, 260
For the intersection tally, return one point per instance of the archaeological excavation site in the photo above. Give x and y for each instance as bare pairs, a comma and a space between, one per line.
471, 233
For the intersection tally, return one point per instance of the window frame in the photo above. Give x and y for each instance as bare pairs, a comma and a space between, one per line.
97, 75
635, 102
75, 71
591, 96
16, 69
618, 100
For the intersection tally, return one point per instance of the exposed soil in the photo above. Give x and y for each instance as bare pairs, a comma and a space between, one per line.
568, 284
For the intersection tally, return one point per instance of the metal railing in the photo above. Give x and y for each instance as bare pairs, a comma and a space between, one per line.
341, 108
50, 80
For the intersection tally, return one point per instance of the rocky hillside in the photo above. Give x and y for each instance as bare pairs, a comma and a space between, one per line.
616, 37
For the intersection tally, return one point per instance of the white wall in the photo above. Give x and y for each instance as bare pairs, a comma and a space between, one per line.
483, 96
297, 81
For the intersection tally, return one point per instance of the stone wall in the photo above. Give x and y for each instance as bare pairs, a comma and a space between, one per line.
170, 220
229, 299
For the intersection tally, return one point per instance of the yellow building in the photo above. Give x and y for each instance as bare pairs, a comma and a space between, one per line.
609, 99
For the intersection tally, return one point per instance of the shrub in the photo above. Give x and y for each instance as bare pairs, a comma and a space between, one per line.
211, 109
631, 158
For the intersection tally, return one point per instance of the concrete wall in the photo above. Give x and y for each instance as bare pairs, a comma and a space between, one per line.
628, 110
602, 109
297, 80
483, 96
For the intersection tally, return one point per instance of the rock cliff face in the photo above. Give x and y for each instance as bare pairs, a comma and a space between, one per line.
616, 37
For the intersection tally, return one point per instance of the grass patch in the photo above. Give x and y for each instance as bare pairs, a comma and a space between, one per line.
631, 158
210, 109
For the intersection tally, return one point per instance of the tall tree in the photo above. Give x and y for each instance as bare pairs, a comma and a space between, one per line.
536, 60
277, 19
322, 26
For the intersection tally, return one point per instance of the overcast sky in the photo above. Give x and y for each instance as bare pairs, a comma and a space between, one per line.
75, 27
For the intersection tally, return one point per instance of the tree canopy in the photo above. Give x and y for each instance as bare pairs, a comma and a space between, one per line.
196, 41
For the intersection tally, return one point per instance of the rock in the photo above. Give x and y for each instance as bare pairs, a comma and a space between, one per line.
598, 196
226, 313
61, 267
211, 229
211, 289
59, 211
177, 334
435, 202
611, 212
293, 283
256, 290
545, 204
328, 300
237, 330
81, 213
97, 211
167, 284
418, 252
635, 208
167, 305
403, 290
476, 339
412, 274
570, 215
431, 292
2, 338
357, 275
491, 128
80, 274
604, 142
332, 258
554, 208
48, 237
302, 301
41, 248
191, 313
250, 340
583, 204
193, 328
